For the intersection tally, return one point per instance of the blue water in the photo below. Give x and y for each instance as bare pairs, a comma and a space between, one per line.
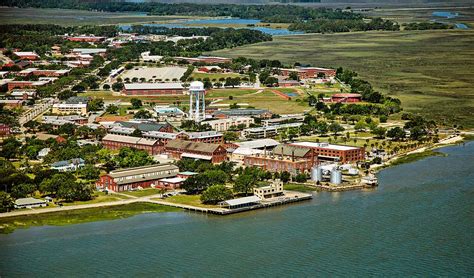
224, 21
418, 222
445, 14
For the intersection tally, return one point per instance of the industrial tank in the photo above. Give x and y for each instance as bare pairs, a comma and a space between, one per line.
336, 176
317, 174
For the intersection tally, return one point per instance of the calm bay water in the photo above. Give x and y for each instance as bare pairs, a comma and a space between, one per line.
419, 221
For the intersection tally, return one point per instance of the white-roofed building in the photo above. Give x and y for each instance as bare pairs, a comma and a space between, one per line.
240, 202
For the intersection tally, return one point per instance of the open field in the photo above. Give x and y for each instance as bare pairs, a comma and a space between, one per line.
76, 17
9, 224
214, 76
430, 71
264, 100
191, 200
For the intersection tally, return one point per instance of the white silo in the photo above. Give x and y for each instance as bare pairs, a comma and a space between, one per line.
336, 176
197, 104
316, 174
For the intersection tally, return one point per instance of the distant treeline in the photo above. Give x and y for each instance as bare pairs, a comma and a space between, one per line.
427, 26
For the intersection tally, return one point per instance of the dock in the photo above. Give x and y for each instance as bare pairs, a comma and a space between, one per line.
288, 198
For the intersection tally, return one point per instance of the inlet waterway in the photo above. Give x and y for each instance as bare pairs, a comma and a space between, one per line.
418, 222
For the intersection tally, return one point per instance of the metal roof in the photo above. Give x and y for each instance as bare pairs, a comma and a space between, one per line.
258, 144
28, 201
242, 201
129, 139
192, 146
324, 146
287, 150
142, 170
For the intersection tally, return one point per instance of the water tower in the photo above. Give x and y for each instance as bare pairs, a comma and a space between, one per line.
197, 104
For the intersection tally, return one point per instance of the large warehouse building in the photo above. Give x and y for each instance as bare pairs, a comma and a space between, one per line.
341, 153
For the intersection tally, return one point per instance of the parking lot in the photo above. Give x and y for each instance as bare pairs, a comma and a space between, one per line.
154, 74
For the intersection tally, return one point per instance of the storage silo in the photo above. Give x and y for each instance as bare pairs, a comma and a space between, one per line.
316, 174
336, 177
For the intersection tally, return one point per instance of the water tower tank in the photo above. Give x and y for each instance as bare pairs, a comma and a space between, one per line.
336, 176
196, 86
316, 174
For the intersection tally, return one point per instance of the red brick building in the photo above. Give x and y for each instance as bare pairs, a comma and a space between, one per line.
202, 136
5, 130
27, 55
346, 98
178, 149
115, 142
152, 89
86, 39
205, 59
131, 178
325, 151
309, 72
284, 158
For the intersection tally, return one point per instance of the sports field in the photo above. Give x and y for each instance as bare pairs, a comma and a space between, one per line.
430, 71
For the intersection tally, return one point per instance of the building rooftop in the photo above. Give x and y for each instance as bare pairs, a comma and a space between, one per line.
258, 144
129, 139
28, 201
287, 150
241, 201
192, 146
75, 161
141, 170
324, 146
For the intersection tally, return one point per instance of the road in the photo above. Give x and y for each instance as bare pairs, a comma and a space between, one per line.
35, 111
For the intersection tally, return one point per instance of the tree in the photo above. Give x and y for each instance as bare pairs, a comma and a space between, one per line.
142, 114
215, 194
301, 177
230, 136
129, 157
112, 109
90, 172
137, 133
23, 190
10, 148
195, 184
379, 132
106, 87
6, 202
396, 133
70, 190
360, 126
335, 128
83, 131
293, 76
271, 81
95, 104
285, 176
136, 103
245, 183
117, 86
53, 184
63, 95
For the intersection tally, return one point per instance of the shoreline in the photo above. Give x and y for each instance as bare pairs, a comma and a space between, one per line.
100, 209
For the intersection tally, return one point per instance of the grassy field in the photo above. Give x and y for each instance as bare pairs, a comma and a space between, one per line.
143, 193
298, 187
9, 224
416, 156
430, 71
215, 76
76, 17
265, 100
191, 200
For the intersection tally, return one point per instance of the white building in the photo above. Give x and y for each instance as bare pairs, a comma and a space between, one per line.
273, 190
68, 165
29, 203
43, 152
225, 124
150, 58
70, 108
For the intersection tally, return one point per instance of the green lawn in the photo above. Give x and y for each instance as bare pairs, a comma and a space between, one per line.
215, 76
298, 187
191, 200
416, 156
9, 224
98, 197
430, 71
143, 192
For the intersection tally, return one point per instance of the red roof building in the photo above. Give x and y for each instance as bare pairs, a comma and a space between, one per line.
5, 130
178, 149
340, 153
346, 98
153, 89
116, 142
86, 39
309, 72
132, 178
